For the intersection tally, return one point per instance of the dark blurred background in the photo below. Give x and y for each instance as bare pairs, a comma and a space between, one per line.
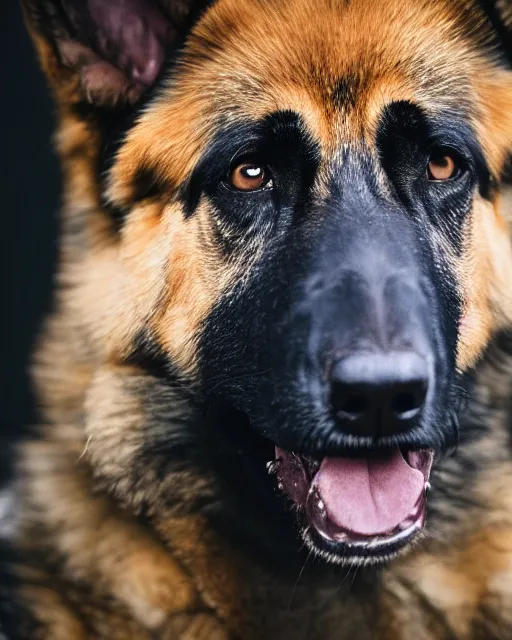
30, 197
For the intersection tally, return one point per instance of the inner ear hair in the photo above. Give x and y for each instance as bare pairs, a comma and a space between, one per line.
105, 52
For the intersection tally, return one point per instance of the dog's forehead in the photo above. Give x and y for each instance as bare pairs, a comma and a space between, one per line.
324, 57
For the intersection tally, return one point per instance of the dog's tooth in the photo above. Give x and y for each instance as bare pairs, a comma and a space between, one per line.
272, 466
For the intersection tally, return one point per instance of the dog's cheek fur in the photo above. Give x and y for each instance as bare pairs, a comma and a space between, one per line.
196, 274
484, 269
500, 257
484, 273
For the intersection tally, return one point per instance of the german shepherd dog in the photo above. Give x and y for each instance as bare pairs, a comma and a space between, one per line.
276, 386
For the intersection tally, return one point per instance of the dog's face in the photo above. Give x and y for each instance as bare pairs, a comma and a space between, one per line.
309, 229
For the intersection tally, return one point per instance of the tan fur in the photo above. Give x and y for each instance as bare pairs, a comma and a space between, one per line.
162, 275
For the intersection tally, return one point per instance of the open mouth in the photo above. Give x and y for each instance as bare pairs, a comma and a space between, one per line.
358, 510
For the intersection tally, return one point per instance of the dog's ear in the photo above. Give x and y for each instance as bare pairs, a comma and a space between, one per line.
105, 52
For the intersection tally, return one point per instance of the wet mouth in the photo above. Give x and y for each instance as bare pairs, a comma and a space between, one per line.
357, 510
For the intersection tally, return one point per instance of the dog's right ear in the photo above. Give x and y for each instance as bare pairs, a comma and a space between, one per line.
105, 52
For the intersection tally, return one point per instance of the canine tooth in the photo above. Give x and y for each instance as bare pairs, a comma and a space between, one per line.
273, 466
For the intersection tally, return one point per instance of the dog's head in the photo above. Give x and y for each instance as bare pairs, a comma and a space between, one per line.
297, 205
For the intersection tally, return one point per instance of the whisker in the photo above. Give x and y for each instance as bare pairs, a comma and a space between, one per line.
294, 590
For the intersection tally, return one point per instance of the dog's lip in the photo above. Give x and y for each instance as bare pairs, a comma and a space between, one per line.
367, 551
325, 535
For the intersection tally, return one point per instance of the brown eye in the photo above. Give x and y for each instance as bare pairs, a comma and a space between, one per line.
442, 167
249, 176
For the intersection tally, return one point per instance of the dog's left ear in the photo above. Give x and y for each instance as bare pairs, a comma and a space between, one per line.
105, 52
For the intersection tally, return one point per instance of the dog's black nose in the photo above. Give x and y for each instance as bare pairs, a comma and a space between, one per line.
379, 394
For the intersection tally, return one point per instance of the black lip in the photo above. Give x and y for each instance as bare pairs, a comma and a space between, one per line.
357, 553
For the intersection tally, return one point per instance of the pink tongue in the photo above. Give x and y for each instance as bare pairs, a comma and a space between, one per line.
369, 496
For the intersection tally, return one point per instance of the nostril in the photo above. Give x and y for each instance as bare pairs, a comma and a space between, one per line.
407, 403
378, 394
348, 403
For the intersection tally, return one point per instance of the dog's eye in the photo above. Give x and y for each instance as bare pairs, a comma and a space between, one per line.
443, 166
249, 176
